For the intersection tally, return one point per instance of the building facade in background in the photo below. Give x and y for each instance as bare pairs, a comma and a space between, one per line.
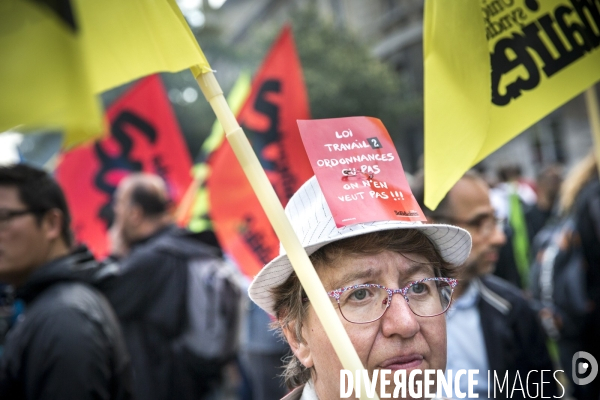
394, 31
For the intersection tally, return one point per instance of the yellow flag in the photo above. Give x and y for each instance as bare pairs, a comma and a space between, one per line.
54, 55
495, 67
127, 39
43, 79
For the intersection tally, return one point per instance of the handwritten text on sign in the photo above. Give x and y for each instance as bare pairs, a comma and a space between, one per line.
359, 170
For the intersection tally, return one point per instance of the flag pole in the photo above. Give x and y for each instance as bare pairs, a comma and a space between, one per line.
591, 102
272, 206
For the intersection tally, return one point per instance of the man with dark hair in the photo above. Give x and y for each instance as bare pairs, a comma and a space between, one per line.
490, 325
150, 295
67, 344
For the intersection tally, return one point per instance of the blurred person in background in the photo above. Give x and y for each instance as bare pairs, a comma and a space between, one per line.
67, 344
490, 324
154, 298
524, 223
580, 201
261, 355
547, 187
511, 181
510, 198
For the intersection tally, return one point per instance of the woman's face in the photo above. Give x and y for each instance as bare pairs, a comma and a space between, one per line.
398, 340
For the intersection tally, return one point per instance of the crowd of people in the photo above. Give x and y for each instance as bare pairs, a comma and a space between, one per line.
503, 276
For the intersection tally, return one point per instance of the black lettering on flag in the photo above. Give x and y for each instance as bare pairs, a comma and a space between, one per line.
502, 64
586, 9
256, 240
518, 50
566, 56
260, 140
122, 161
272, 136
578, 35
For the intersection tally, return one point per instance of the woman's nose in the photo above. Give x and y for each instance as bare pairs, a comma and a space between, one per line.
398, 319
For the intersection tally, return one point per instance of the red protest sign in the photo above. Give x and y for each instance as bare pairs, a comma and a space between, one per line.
144, 137
277, 99
359, 170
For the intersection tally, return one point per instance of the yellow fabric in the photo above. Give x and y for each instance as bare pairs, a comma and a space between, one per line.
127, 39
50, 70
43, 79
456, 93
236, 98
462, 124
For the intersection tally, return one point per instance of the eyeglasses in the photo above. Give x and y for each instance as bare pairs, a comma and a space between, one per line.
485, 225
361, 304
7, 215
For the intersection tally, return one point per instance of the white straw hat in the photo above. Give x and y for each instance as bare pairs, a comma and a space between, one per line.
312, 221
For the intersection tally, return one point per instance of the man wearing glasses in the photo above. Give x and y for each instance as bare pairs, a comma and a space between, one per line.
490, 324
67, 344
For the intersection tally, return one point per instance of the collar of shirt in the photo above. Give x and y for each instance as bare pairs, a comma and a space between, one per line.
467, 300
309, 392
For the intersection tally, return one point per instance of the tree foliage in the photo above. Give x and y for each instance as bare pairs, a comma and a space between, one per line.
342, 77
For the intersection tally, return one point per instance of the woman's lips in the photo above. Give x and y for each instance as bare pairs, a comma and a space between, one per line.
403, 362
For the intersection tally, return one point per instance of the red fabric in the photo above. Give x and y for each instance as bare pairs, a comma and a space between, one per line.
277, 99
144, 137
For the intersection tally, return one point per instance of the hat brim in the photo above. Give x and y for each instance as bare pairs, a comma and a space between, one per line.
453, 244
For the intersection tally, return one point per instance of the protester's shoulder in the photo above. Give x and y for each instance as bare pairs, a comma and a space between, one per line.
71, 302
589, 196
176, 242
147, 254
184, 241
505, 290
591, 189
58, 324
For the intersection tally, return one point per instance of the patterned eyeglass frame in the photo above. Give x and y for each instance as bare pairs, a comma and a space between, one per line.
336, 293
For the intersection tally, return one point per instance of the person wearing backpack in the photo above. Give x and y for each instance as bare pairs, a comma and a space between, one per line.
174, 295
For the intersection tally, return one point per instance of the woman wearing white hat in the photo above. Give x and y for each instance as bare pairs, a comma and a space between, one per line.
391, 282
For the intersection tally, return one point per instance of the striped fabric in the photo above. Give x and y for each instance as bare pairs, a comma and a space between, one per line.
313, 223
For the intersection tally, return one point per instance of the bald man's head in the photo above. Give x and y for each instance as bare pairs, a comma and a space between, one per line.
468, 206
141, 207
147, 191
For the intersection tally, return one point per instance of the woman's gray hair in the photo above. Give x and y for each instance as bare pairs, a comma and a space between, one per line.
291, 309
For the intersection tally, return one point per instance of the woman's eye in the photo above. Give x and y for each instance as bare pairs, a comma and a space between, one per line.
359, 294
419, 288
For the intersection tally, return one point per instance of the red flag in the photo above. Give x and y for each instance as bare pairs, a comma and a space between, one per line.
277, 99
145, 137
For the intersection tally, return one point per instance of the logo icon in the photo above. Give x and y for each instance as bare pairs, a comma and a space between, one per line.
581, 367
